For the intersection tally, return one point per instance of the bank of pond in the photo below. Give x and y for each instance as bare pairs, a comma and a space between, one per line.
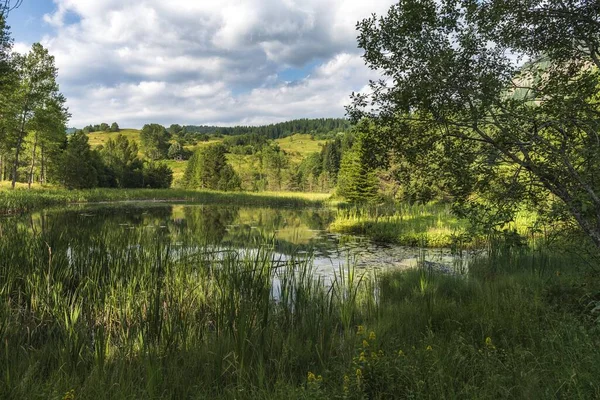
164, 300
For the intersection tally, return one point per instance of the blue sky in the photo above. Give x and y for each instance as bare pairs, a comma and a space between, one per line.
199, 62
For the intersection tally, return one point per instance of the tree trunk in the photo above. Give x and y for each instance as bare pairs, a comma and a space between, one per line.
18, 150
42, 165
16, 161
30, 181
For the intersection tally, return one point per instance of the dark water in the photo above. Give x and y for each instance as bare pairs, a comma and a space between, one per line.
299, 232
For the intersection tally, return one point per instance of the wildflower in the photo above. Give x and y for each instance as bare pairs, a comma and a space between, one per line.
362, 357
360, 330
311, 377
70, 395
365, 344
429, 348
358, 373
346, 383
400, 353
488, 343
380, 353
372, 335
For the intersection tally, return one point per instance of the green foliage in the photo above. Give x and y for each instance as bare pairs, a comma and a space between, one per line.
121, 157
208, 169
357, 181
157, 176
504, 133
77, 167
279, 130
33, 104
155, 141
114, 127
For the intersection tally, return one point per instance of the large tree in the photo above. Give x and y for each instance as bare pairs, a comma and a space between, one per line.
155, 141
35, 97
507, 90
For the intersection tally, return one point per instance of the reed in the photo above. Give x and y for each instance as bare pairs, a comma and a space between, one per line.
134, 313
22, 201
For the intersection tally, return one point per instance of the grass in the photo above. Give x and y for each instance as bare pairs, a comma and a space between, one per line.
100, 138
299, 146
128, 313
424, 225
21, 201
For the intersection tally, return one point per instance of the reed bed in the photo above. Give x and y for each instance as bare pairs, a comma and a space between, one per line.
131, 313
431, 225
22, 201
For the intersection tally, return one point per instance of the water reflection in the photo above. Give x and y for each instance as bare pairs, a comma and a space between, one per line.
289, 231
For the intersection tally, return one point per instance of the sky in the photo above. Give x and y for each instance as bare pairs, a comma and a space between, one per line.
201, 62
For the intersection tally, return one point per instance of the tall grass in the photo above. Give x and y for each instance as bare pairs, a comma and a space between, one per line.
21, 201
130, 313
422, 225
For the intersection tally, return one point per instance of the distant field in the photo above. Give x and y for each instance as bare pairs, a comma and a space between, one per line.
298, 147
100, 138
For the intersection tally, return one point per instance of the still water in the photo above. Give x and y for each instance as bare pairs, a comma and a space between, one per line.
297, 232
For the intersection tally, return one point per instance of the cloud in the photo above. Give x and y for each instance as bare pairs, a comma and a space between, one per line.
207, 62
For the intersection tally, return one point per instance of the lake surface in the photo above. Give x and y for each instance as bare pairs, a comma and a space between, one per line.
297, 233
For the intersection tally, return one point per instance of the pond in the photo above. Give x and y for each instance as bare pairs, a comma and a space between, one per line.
297, 233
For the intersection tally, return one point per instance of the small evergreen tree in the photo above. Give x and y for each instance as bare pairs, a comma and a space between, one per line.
357, 182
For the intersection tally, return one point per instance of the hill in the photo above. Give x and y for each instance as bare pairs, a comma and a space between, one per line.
296, 146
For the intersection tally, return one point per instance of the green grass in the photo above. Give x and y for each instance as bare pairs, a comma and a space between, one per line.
125, 314
299, 146
100, 138
429, 225
21, 201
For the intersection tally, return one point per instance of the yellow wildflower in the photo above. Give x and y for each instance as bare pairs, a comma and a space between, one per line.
70, 395
365, 344
311, 377
489, 343
372, 335
400, 353
362, 357
358, 373
429, 348
360, 330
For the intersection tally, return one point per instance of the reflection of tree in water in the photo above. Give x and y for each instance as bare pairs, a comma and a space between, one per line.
207, 224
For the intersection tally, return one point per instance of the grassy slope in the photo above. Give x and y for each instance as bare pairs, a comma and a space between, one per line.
297, 146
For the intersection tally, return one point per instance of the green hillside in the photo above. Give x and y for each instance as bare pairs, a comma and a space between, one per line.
297, 147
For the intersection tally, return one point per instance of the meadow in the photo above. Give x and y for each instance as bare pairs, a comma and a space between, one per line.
130, 312
21, 201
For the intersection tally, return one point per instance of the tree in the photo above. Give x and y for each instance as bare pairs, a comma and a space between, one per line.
104, 127
208, 169
35, 93
48, 133
120, 156
7, 87
157, 175
357, 181
452, 83
76, 168
155, 141
114, 127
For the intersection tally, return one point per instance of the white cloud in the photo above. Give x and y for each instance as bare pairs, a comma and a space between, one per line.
207, 62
